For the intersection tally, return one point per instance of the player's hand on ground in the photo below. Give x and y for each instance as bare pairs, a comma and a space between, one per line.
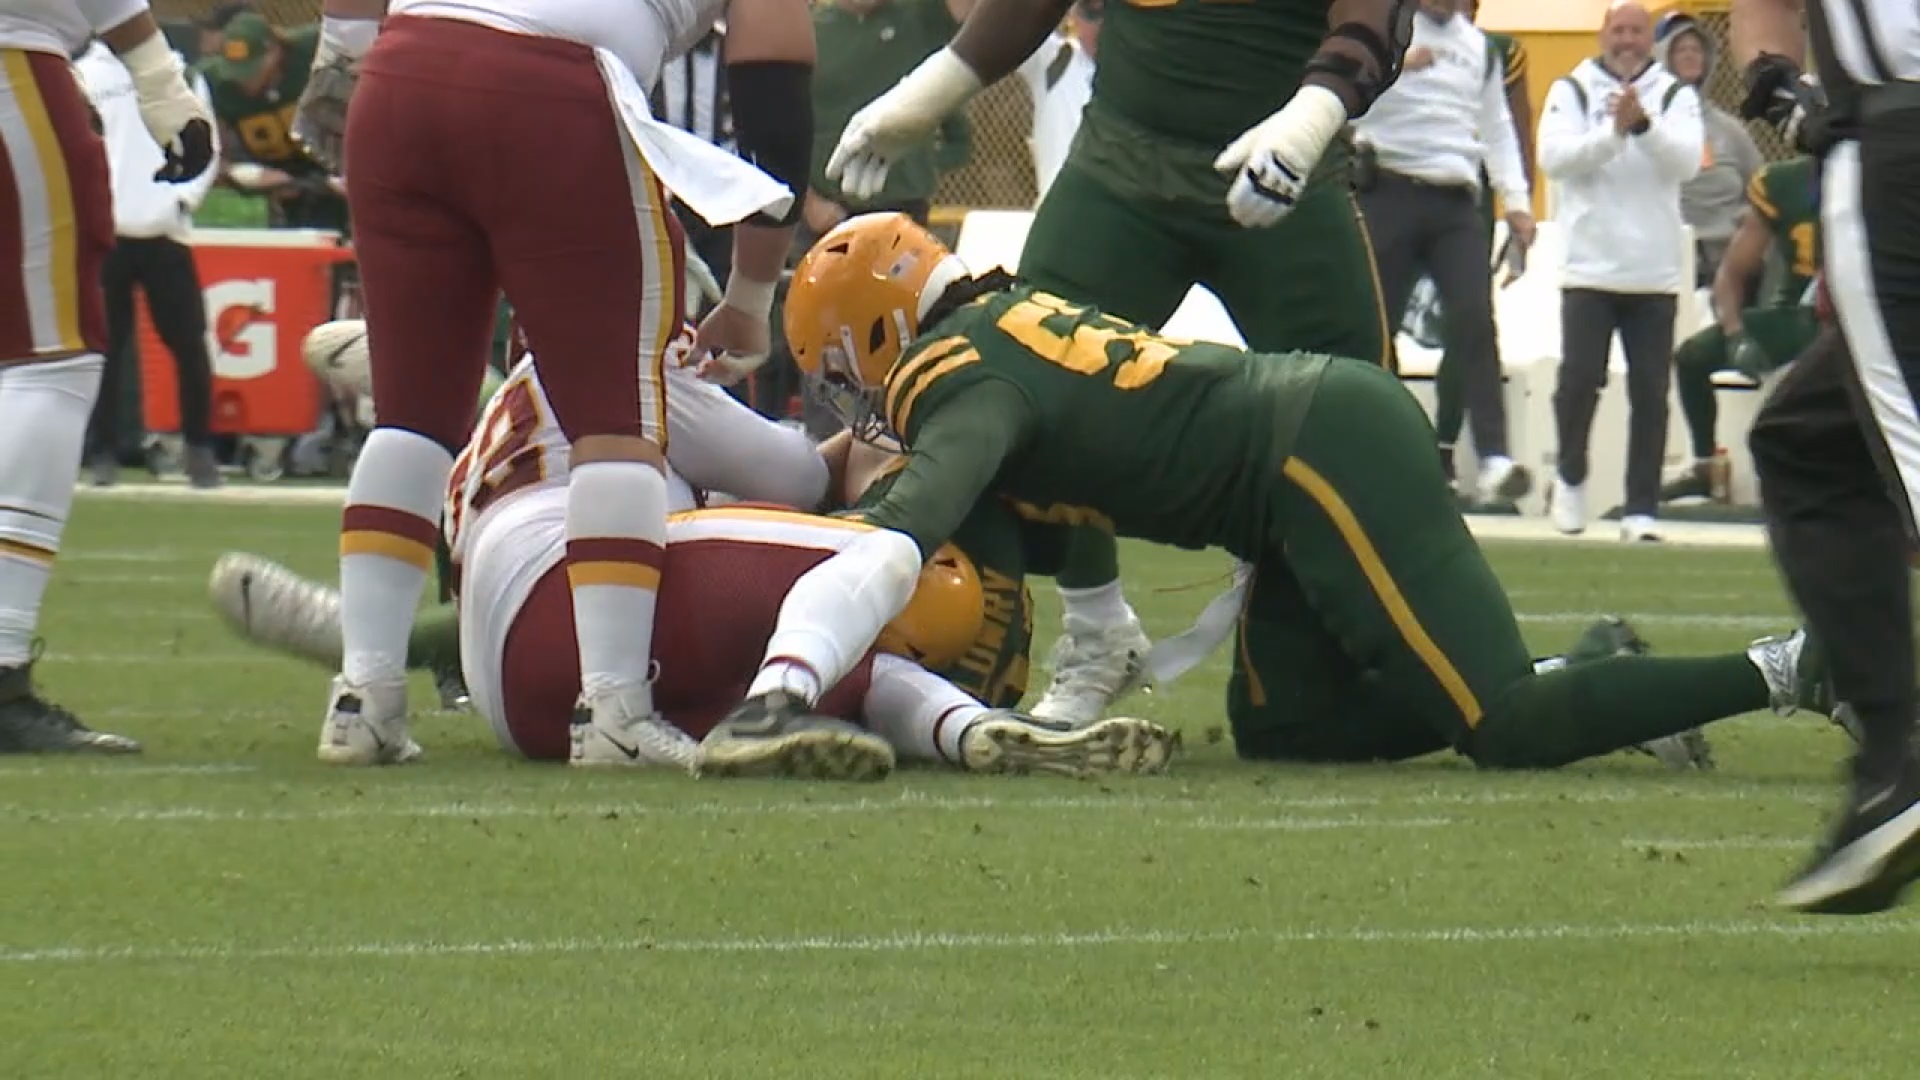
1271, 161
730, 344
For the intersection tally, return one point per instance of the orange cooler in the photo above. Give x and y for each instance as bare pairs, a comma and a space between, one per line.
265, 289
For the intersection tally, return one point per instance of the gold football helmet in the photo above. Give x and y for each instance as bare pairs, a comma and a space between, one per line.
943, 619
854, 305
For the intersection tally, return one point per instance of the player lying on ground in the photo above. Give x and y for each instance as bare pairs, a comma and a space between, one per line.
512, 637
1782, 215
1369, 599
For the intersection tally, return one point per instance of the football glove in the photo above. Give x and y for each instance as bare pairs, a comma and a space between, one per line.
1271, 161
1793, 103
899, 121
320, 118
174, 115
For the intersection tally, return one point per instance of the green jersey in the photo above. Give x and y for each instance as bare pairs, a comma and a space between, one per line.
1784, 197
1511, 55
1204, 70
1075, 417
994, 670
264, 122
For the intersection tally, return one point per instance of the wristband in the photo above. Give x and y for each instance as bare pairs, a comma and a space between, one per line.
350, 38
752, 297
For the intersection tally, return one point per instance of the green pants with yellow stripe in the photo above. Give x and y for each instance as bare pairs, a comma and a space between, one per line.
1133, 221
1376, 629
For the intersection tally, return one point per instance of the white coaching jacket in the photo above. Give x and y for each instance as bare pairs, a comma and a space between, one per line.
1619, 195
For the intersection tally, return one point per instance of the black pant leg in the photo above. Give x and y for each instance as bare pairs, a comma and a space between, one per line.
1871, 237
1394, 210
1587, 323
117, 279
1836, 532
1457, 259
172, 283
1646, 336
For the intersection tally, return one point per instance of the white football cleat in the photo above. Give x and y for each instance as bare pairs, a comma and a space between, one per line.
367, 725
1568, 507
1093, 666
1502, 480
1639, 529
619, 729
269, 604
1006, 742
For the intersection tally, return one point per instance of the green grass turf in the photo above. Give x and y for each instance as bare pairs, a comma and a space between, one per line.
226, 907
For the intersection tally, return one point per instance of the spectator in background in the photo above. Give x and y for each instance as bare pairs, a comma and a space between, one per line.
865, 47
692, 96
152, 221
1619, 136
256, 79
1059, 78
198, 38
1432, 133
1713, 202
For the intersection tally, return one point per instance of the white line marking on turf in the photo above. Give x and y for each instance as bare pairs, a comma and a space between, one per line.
912, 801
1300, 824
1724, 843
964, 942
134, 579
119, 770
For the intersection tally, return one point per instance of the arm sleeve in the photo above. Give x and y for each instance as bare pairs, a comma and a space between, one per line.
1676, 137
104, 15
1567, 149
1503, 146
955, 456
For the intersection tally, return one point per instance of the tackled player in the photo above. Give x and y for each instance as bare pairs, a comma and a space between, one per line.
1370, 601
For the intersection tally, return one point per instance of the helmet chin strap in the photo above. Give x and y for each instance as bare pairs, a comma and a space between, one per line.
947, 271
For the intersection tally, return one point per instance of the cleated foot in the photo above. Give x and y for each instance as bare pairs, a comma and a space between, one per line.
1003, 742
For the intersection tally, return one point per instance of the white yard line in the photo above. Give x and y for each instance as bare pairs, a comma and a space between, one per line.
1300, 824
117, 770
1724, 843
959, 941
369, 808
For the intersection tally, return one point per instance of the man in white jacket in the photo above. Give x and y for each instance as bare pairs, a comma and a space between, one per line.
1619, 136
152, 221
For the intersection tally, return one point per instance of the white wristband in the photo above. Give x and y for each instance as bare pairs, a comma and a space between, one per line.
753, 297
152, 62
1319, 112
350, 38
945, 82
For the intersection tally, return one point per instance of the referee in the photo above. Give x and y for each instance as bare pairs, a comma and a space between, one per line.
1837, 446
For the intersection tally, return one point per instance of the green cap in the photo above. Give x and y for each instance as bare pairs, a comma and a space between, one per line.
249, 38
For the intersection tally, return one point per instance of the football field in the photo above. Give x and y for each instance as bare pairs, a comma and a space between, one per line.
225, 906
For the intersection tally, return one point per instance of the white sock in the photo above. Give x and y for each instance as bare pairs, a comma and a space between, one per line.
835, 612
616, 548
43, 431
388, 534
921, 714
1097, 608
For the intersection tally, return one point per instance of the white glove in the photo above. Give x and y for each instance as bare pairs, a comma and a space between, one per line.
167, 103
1271, 161
899, 121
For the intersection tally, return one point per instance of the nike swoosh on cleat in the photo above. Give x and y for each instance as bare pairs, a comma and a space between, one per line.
246, 599
1870, 802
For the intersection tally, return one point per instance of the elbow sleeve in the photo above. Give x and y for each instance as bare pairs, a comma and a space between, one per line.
773, 124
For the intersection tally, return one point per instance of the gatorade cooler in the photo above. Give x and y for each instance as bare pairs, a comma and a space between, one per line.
265, 289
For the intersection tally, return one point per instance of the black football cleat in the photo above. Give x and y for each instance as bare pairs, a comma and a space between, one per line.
1873, 853
29, 724
776, 735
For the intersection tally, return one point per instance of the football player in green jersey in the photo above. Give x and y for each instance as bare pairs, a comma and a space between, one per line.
1209, 121
1784, 216
1376, 607
256, 79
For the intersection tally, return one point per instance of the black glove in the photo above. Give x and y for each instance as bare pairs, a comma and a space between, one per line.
189, 155
1778, 93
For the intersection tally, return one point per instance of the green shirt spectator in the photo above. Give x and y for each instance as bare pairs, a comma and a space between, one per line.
866, 46
256, 79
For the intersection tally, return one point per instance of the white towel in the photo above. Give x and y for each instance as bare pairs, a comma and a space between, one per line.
719, 186
1181, 653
